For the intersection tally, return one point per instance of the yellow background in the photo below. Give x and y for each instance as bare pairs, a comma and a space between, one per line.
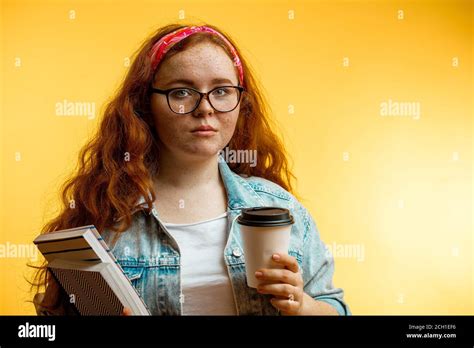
397, 186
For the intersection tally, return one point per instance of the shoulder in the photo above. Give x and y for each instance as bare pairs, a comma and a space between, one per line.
273, 194
266, 187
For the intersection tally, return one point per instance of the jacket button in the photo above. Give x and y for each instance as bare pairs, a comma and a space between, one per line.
236, 252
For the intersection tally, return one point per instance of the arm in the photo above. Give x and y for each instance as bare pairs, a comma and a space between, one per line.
315, 307
321, 297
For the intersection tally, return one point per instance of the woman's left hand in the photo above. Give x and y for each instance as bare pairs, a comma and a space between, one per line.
286, 285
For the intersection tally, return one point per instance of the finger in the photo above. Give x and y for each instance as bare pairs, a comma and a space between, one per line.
287, 260
280, 290
279, 275
126, 311
285, 305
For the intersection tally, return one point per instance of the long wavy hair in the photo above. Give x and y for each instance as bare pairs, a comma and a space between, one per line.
117, 165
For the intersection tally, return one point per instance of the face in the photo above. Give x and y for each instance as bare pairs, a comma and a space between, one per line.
205, 66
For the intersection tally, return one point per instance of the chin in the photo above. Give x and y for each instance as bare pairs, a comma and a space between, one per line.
204, 152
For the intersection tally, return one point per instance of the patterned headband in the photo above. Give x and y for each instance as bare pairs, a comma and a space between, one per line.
163, 45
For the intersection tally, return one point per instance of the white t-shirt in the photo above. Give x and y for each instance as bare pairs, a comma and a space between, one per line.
205, 281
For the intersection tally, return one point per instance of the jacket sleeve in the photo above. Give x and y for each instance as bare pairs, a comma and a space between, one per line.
318, 268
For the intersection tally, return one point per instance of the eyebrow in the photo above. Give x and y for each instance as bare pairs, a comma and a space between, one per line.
191, 83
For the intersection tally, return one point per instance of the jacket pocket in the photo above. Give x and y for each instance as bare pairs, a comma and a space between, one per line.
135, 275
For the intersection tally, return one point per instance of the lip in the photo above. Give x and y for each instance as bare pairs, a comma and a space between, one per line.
204, 133
204, 128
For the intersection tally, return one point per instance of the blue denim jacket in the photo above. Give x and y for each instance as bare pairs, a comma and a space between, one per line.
150, 256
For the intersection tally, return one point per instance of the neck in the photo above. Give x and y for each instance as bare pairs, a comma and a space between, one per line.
183, 173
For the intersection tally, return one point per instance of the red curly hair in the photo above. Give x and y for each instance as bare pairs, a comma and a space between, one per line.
105, 186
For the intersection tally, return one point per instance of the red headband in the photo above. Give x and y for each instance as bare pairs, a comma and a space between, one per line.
163, 45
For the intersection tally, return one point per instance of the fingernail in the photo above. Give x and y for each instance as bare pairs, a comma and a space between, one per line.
276, 257
258, 274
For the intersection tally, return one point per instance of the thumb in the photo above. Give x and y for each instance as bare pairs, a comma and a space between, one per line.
126, 311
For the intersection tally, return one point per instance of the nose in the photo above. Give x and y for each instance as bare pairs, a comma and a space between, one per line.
204, 108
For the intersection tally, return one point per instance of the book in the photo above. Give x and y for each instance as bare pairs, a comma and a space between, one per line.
84, 266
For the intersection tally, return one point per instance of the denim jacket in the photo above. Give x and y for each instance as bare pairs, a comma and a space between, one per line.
150, 256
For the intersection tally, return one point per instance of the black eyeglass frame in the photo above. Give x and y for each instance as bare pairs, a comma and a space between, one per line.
201, 95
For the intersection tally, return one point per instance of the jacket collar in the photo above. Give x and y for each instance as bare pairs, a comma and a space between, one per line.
239, 193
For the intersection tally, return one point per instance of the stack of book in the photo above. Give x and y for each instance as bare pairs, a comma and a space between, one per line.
84, 266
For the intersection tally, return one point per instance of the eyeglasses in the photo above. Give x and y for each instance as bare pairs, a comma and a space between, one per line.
185, 100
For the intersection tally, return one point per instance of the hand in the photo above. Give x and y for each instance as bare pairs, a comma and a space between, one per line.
126, 311
286, 284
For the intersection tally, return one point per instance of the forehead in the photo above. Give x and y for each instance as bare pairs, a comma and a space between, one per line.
202, 62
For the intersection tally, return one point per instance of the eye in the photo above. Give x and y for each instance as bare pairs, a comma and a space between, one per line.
221, 91
181, 93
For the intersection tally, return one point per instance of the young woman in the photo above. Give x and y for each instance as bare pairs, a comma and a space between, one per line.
156, 185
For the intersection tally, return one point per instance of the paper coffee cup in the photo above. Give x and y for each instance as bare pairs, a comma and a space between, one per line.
264, 231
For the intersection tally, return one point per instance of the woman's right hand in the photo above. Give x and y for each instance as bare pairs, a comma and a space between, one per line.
126, 311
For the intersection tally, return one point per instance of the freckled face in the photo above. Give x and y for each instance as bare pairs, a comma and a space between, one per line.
202, 65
